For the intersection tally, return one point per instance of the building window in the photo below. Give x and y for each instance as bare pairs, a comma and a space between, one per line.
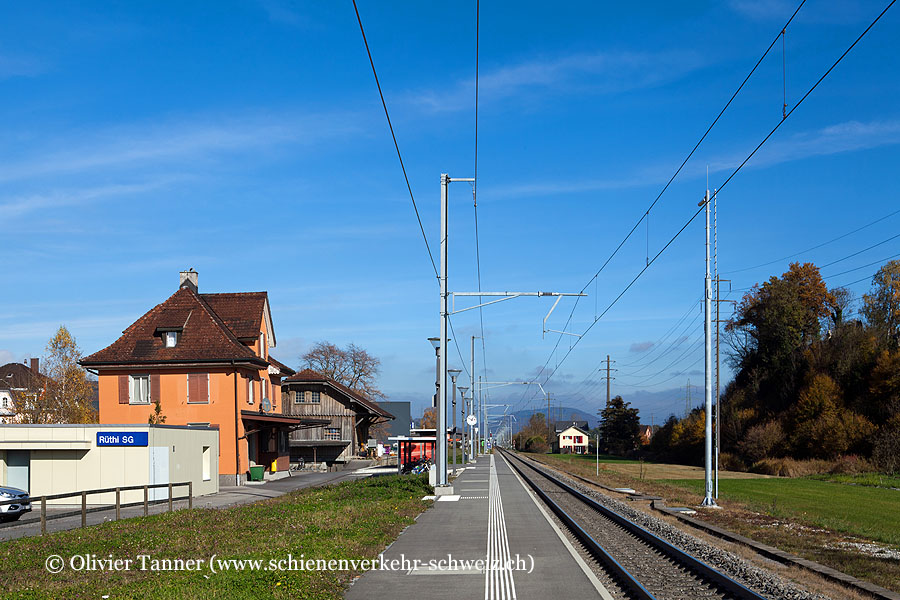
198, 388
5, 403
315, 397
250, 390
140, 389
299, 397
171, 339
262, 342
332, 433
206, 464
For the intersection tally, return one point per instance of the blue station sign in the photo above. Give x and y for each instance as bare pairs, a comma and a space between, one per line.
116, 438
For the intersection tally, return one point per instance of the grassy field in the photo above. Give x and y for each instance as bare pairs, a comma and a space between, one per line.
592, 458
868, 512
353, 520
821, 520
643, 470
866, 479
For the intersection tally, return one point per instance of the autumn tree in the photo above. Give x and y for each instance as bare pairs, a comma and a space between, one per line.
533, 436
619, 427
823, 427
65, 394
351, 366
774, 324
429, 419
881, 307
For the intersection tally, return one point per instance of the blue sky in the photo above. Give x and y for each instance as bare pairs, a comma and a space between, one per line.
247, 141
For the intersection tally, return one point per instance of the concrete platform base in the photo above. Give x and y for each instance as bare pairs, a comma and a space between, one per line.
489, 539
443, 490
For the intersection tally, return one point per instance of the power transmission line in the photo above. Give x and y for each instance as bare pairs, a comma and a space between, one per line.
396, 145
679, 374
816, 247
666, 186
403, 168
658, 344
883, 260
834, 262
677, 342
722, 186
475, 191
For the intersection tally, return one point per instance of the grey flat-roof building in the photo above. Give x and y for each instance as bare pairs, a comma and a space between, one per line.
399, 426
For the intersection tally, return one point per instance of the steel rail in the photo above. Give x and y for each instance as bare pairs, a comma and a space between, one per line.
593, 546
697, 566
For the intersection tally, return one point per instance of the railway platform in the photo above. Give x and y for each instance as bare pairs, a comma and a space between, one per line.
491, 539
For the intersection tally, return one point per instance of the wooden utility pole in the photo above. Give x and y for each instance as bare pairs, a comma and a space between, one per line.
687, 398
549, 426
609, 376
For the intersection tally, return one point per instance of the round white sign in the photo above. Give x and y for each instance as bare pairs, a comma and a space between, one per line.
471, 420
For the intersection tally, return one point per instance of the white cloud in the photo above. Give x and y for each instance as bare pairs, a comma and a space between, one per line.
762, 10
46, 329
281, 11
597, 73
21, 205
155, 143
832, 12
641, 346
19, 66
6, 357
850, 136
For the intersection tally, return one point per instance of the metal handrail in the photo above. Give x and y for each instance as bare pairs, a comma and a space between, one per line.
129, 488
118, 505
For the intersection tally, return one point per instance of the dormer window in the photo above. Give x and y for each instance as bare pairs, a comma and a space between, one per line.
169, 335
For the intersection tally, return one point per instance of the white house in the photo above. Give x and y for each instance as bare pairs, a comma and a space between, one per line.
573, 440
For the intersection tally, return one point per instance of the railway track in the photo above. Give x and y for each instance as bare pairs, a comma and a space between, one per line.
644, 565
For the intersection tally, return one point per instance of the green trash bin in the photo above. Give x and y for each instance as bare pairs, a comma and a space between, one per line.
257, 472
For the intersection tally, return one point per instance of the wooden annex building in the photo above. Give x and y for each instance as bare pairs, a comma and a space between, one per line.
312, 395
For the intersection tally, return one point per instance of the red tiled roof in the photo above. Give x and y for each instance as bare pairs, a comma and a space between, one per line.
242, 312
310, 376
204, 335
19, 376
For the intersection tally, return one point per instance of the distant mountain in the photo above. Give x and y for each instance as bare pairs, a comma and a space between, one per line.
654, 407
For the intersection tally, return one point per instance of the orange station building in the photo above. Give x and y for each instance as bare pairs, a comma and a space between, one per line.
205, 359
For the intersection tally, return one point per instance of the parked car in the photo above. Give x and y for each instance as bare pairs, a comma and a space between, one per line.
11, 512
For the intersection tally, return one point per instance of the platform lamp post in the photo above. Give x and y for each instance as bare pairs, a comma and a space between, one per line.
454, 373
465, 413
436, 343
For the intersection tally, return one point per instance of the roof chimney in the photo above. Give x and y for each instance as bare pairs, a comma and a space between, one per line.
189, 280
35, 365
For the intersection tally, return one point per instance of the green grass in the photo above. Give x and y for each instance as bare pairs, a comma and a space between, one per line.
352, 520
866, 479
857, 510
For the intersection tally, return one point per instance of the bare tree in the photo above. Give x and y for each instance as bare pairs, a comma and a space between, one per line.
351, 366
